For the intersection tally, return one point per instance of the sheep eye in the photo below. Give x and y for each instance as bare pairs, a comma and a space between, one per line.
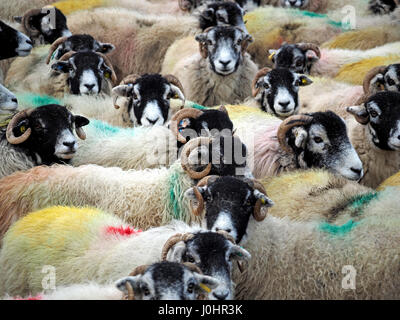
146, 291
373, 114
190, 288
239, 42
266, 85
299, 64
191, 259
317, 140
391, 82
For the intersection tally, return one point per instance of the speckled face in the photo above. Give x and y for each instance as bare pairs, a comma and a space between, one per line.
392, 78
279, 91
224, 46
383, 109
8, 101
167, 281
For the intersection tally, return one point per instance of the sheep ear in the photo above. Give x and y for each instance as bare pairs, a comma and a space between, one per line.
265, 201
238, 253
360, 114
189, 194
201, 38
206, 282
61, 66
175, 254
17, 19
81, 121
304, 81
133, 281
300, 137
124, 90
106, 48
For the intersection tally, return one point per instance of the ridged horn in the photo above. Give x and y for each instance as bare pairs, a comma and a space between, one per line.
178, 117
173, 241
54, 47
309, 46
187, 149
31, 32
369, 76
11, 138
109, 64
196, 211
287, 124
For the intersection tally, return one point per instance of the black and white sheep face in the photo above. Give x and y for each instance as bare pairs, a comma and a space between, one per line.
391, 78
81, 43
223, 13
381, 113
229, 203
51, 139
8, 101
224, 47
294, 3
87, 72
167, 281
149, 99
382, 6
14, 43
214, 255
324, 143
291, 57
51, 24
278, 92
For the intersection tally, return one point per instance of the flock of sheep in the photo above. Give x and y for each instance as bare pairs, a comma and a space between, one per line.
199, 149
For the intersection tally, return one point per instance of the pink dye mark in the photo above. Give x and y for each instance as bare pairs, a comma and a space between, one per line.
123, 231
38, 297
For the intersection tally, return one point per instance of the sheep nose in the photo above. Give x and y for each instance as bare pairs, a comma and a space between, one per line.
29, 42
398, 137
224, 63
284, 104
14, 100
226, 230
89, 86
69, 144
152, 121
221, 295
355, 170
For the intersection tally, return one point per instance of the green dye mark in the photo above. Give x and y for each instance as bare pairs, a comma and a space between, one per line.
338, 230
109, 130
333, 23
363, 200
174, 190
34, 100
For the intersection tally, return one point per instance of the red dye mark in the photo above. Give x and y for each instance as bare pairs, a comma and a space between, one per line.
127, 231
38, 297
280, 41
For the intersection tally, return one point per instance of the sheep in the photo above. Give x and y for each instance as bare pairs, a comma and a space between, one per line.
41, 136
229, 203
312, 260
342, 95
382, 6
375, 133
75, 72
393, 181
8, 11
147, 282
286, 25
108, 249
308, 58
276, 91
149, 36
20, 72
297, 142
130, 194
221, 72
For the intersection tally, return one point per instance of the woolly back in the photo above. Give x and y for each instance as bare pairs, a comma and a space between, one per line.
393, 181
69, 6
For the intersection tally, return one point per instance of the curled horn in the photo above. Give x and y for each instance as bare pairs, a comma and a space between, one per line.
130, 79
203, 46
179, 116
258, 214
109, 64
184, 5
31, 32
189, 147
54, 47
192, 267
173, 241
287, 124
139, 270
67, 55
227, 236
261, 73
310, 46
203, 182
175, 81
246, 41
131, 294
11, 138
370, 75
